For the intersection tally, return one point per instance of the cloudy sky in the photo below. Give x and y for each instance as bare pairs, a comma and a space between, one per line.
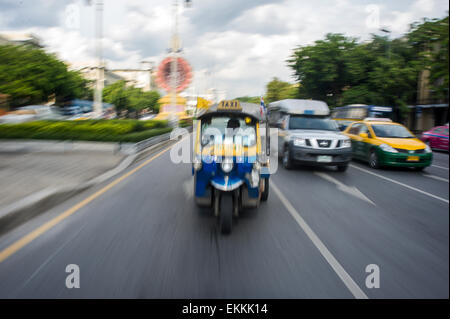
233, 45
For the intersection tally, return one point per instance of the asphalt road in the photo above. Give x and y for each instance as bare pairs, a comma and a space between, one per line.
145, 238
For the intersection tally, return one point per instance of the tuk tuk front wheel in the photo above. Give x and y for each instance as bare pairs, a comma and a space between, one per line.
226, 213
265, 193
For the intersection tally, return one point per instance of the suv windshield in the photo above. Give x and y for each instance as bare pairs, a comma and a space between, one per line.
389, 130
312, 123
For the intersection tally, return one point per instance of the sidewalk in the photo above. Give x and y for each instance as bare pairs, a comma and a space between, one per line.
37, 175
23, 173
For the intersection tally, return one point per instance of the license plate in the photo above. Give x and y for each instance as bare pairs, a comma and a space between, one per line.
413, 158
324, 158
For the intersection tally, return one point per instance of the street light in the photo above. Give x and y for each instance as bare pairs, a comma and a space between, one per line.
98, 108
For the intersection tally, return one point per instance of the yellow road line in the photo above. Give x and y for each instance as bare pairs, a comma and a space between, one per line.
25, 240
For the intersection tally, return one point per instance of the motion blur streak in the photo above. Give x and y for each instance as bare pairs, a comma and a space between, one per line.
340, 271
4, 254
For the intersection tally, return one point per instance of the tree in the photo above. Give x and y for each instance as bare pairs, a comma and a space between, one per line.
249, 99
279, 90
339, 70
116, 94
29, 75
321, 68
131, 99
429, 42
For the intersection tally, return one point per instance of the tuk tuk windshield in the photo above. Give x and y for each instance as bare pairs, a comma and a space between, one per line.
241, 130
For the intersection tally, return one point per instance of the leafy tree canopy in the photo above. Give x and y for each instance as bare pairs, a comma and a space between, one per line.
30, 76
340, 70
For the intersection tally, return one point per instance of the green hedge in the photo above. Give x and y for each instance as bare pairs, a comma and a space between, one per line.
88, 130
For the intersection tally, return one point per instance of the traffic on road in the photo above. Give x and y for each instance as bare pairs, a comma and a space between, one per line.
234, 157
368, 232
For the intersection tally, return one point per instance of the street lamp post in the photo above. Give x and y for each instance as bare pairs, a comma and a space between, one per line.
98, 108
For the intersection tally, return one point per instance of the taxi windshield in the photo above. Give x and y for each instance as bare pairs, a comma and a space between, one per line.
297, 122
389, 130
216, 129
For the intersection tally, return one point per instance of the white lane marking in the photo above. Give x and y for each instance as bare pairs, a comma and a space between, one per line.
340, 271
441, 167
401, 184
352, 190
436, 177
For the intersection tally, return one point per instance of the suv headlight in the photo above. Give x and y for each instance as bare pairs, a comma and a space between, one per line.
388, 148
346, 143
428, 149
227, 166
299, 141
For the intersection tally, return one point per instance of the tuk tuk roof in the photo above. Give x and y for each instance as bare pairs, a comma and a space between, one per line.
250, 109
297, 106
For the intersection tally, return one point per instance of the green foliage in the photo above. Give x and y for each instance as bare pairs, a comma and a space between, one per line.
279, 90
31, 76
130, 99
429, 40
185, 122
249, 99
340, 71
90, 130
322, 68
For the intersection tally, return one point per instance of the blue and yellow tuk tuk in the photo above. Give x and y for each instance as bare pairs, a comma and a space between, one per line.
231, 160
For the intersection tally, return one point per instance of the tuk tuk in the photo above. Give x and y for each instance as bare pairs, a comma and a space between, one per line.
231, 160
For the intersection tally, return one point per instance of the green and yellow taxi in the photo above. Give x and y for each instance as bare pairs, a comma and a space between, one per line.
382, 142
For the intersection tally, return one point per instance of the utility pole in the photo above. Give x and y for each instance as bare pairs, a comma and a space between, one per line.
175, 48
98, 108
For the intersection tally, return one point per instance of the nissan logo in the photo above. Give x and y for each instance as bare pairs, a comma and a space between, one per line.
323, 143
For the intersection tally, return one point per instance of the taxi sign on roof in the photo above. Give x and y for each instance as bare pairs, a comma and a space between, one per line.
229, 105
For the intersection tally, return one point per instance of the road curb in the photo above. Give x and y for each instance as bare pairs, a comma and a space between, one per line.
31, 206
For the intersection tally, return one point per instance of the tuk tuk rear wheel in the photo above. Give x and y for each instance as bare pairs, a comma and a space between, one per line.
226, 213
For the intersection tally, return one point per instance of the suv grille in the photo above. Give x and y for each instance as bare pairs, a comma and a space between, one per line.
324, 143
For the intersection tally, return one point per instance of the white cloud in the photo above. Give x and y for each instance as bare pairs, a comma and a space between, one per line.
233, 45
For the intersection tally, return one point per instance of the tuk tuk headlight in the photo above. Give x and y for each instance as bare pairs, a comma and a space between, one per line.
254, 178
197, 163
227, 166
